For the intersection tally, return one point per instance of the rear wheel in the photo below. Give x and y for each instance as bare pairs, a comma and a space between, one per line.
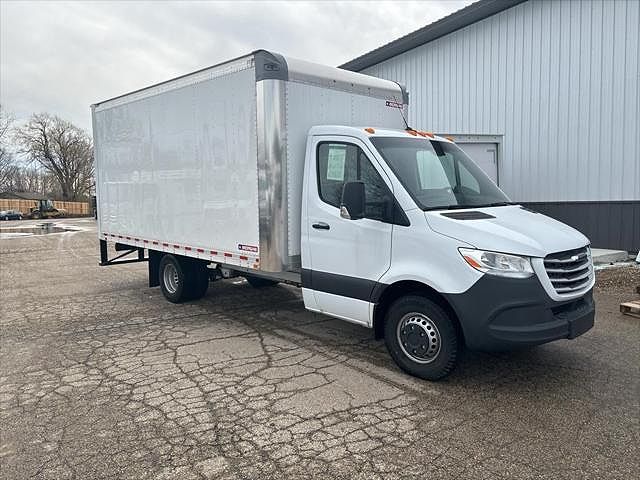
172, 279
182, 279
421, 337
258, 282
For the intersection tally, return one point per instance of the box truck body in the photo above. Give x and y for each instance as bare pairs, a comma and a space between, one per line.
281, 170
211, 164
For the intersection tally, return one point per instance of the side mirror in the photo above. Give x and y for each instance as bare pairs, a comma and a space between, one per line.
352, 205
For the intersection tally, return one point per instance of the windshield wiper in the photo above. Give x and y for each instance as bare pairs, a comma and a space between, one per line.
459, 206
448, 207
496, 204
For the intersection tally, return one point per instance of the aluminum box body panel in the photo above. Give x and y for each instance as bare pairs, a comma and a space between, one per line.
272, 175
179, 166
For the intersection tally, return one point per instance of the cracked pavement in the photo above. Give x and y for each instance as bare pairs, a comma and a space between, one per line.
100, 377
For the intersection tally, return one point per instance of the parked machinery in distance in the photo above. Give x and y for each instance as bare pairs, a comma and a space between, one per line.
45, 209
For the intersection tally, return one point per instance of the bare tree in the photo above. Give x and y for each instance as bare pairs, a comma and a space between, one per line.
31, 179
62, 149
7, 162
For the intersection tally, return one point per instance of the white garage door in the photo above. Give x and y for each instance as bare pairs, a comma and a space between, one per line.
485, 155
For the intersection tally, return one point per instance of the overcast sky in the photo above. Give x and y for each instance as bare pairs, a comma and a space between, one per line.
60, 57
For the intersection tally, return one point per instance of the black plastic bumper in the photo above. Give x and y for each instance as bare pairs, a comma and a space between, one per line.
505, 313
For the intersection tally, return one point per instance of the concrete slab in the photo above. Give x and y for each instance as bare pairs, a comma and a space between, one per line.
603, 255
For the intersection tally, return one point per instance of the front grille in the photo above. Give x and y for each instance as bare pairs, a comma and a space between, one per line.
569, 271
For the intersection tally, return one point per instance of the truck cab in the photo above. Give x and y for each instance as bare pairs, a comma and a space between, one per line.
403, 233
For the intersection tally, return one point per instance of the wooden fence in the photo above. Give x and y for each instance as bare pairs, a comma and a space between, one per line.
74, 208
25, 206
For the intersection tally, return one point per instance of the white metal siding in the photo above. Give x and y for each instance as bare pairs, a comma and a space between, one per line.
559, 79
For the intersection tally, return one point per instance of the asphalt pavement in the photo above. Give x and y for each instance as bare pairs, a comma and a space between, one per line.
100, 377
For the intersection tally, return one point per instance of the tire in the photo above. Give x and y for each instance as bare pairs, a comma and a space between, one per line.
173, 278
409, 322
182, 279
258, 282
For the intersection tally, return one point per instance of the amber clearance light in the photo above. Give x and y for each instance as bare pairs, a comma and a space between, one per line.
471, 261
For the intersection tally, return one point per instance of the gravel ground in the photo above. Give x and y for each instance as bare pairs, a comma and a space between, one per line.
619, 280
100, 377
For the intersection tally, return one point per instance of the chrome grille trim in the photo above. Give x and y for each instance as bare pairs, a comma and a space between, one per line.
573, 279
570, 271
562, 270
580, 257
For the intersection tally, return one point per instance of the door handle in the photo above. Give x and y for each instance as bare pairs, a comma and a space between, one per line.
321, 226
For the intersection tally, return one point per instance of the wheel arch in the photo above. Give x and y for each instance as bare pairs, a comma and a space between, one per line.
396, 290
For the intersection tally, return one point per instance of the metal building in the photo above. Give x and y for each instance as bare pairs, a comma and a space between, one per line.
544, 95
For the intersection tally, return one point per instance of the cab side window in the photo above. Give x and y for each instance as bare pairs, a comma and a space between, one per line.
336, 166
339, 163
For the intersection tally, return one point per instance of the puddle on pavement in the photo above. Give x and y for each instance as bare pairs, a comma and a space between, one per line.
31, 230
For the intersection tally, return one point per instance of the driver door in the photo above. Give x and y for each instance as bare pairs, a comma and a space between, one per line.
344, 259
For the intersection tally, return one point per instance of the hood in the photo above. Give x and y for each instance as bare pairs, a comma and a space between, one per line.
513, 230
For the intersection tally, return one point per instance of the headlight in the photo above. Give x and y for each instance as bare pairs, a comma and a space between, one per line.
495, 263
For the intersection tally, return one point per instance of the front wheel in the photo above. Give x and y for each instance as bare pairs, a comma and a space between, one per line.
421, 337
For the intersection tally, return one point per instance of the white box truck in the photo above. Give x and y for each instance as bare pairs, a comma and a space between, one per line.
281, 170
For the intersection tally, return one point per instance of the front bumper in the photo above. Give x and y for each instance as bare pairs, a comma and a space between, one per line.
505, 313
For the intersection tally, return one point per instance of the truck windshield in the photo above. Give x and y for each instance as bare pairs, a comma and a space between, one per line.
438, 175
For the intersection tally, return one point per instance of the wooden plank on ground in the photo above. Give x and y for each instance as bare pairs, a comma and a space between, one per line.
631, 308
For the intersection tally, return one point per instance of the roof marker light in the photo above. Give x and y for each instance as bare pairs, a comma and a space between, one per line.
369, 130
412, 132
450, 139
429, 134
